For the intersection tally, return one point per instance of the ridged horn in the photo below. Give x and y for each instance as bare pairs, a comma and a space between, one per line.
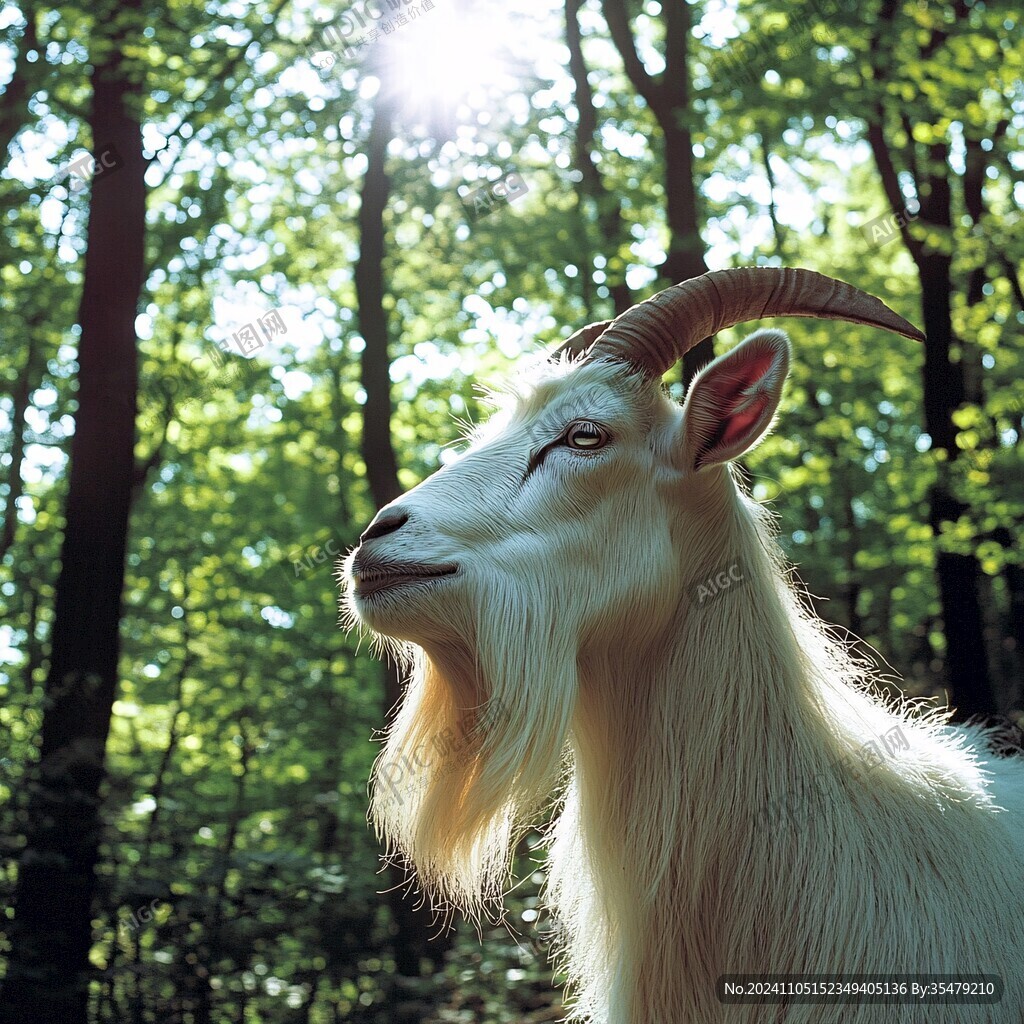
654, 334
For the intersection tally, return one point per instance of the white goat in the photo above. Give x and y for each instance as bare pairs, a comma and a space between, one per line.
591, 567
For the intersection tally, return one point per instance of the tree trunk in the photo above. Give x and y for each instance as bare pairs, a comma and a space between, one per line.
963, 623
414, 926
611, 229
48, 971
958, 575
378, 452
1014, 576
668, 96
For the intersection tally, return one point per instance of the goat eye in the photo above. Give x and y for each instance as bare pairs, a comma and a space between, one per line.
585, 436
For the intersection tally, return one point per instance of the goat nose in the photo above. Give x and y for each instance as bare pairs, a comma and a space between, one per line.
384, 524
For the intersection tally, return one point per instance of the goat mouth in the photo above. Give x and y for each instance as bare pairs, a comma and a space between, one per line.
370, 580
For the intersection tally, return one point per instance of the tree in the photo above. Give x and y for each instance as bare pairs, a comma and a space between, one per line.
924, 151
49, 969
607, 206
414, 924
668, 96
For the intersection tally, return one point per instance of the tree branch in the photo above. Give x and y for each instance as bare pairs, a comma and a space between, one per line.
212, 88
14, 111
777, 230
617, 18
609, 210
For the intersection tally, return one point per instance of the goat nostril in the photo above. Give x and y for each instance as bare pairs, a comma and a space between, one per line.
383, 525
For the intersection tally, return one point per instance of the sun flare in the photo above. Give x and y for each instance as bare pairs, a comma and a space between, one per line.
430, 55
447, 57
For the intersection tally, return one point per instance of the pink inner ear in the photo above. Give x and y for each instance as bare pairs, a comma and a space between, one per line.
740, 423
743, 376
739, 413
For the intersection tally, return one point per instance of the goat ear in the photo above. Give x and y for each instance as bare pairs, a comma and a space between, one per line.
733, 399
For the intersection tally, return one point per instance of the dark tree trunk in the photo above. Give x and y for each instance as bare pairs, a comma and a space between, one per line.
668, 96
963, 622
378, 452
967, 668
1014, 576
48, 971
414, 926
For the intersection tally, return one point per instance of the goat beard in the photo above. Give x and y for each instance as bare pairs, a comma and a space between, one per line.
477, 748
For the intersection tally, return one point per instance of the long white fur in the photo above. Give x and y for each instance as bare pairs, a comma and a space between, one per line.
670, 730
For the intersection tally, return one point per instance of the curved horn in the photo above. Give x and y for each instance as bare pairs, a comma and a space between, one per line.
581, 340
653, 334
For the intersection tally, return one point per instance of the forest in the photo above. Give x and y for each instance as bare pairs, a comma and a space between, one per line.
260, 263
